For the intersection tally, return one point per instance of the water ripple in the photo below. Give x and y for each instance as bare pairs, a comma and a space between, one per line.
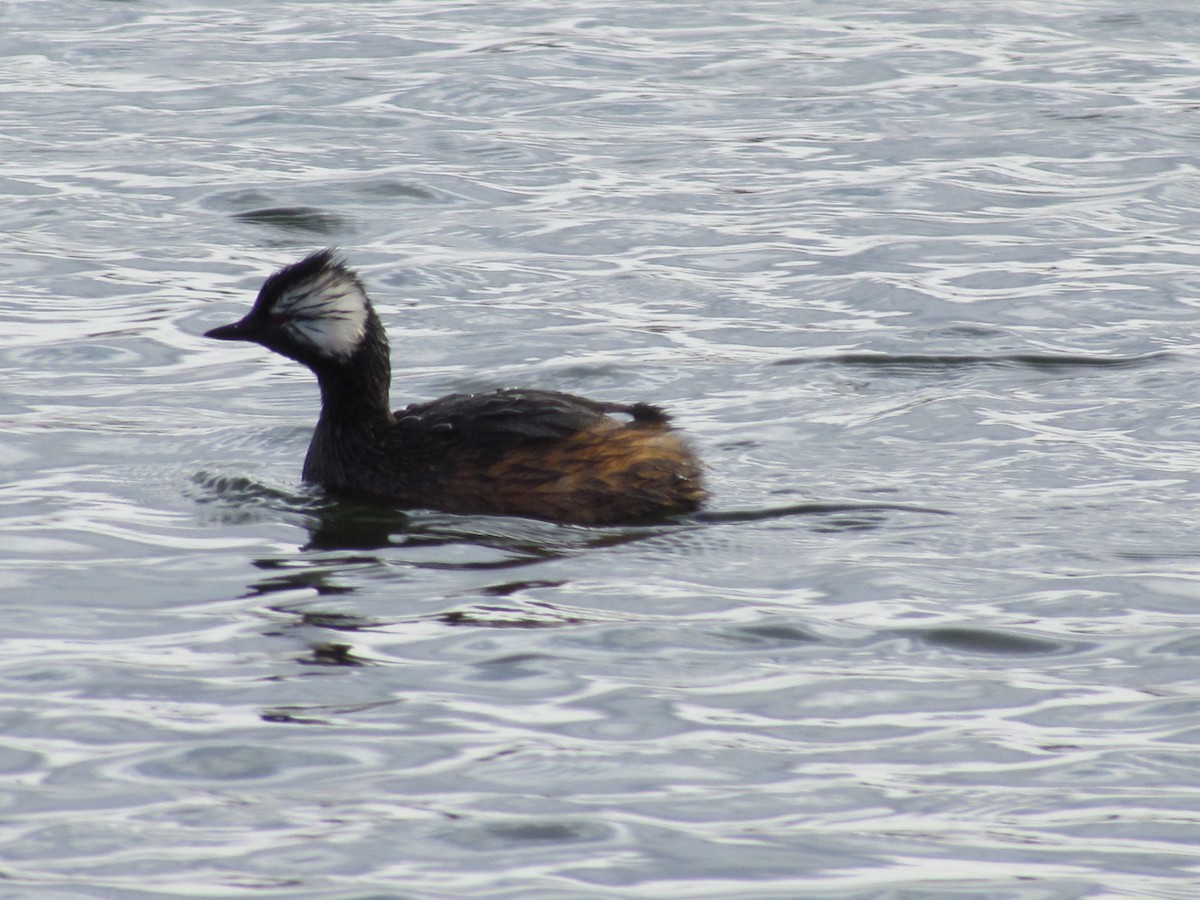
920, 284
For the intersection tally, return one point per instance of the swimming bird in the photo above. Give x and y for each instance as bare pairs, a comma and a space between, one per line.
534, 453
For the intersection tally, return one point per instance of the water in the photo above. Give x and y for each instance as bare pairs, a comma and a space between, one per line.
918, 280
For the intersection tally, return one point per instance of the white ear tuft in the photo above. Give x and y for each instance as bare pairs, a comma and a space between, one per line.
328, 312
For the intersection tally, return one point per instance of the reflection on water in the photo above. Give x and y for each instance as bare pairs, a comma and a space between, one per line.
918, 282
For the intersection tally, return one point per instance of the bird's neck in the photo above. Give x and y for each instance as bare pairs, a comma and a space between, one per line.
348, 440
355, 392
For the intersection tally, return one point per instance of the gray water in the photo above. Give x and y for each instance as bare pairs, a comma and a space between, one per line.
918, 280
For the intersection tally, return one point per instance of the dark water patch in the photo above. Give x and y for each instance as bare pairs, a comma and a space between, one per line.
1122, 20
1159, 554
288, 717
776, 634
318, 714
916, 363
851, 510
348, 525
518, 587
1079, 117
513, 559
842, 524
990, 641
332, 655
296, 218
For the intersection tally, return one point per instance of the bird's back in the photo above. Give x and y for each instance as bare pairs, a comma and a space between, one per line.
548, 455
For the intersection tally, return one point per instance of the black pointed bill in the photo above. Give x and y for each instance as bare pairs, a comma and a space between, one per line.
238, 331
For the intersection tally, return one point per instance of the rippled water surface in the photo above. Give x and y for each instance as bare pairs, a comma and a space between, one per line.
919, 281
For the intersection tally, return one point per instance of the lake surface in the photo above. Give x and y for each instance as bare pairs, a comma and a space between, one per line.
918, 280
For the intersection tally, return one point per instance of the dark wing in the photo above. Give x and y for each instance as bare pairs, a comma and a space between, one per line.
499, 420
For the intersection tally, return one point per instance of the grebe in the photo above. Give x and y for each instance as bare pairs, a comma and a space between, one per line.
540, 454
